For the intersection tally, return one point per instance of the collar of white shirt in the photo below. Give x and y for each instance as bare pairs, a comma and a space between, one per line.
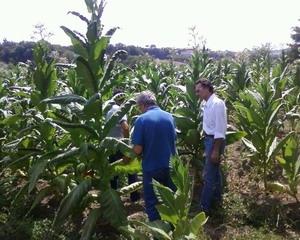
209, 102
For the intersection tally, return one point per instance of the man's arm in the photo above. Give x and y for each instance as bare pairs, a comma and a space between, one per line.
137, 137
125, 129
220, 130
215, 154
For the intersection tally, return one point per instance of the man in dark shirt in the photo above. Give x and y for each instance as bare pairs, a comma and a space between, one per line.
154, 138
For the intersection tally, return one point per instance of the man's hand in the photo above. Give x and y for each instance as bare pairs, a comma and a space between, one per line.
215, 157
138, 149
215, 154
126, 159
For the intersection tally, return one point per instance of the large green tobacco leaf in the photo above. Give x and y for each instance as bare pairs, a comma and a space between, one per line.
92, 108
17, 161
184, 123
185, 111
44, 76
134, 166
78, 45
62, 156
86, 75
192, 137
180, 176
71, 201
277, 146
199, 220
250, 145
290, 162
113, 144
61, 182
47, 132
83, 18
90, 224
279, 187
65, 99
40, 165
190, 90
109, 67
232, 137
11, 120
68, 125
169, 209
112, 207
92, 32
90, 5
13, 144
167, 214
99, 48
47, 191
131, 188
35, 172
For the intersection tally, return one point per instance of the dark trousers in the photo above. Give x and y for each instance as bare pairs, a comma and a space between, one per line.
163, 177
132, 178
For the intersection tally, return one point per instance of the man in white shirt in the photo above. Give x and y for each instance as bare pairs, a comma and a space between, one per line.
214, 128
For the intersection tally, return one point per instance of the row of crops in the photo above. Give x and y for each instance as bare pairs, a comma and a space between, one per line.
55, 144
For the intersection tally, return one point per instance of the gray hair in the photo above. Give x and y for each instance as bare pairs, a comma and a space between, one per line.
146, 98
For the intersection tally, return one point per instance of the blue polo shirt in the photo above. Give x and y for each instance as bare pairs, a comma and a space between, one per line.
155, 131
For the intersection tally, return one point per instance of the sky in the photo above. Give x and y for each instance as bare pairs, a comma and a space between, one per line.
223, 24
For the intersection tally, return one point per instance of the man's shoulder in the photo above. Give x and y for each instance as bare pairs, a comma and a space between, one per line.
139, 119
115, 107
158, 111
218, 101
168, 114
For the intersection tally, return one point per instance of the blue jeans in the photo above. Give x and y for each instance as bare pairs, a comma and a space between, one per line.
213, 183
163, 177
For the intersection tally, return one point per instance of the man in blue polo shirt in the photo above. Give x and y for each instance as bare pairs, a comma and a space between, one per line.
154, 138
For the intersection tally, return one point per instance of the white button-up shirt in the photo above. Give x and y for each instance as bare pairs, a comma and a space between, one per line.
215, 117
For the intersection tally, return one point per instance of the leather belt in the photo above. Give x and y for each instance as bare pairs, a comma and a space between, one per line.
208, 135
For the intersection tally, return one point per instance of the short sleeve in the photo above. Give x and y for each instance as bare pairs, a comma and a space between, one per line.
124, 118
137, 135
221, 120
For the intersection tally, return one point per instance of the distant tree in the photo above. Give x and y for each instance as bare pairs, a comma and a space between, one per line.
160, 53
134, 51
295, 47
12, 52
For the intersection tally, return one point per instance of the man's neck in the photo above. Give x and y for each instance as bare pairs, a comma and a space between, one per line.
149, 107
208, 96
